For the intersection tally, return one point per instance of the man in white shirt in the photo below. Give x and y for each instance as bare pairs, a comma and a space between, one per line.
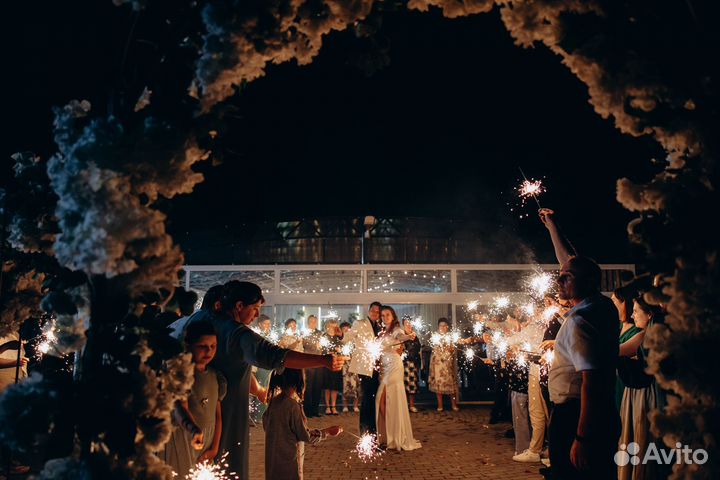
362, 333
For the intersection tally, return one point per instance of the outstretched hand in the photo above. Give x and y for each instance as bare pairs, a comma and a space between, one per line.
546, 216
336, 362
333, 431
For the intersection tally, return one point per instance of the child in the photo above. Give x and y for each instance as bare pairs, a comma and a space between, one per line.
196, 437
286, 428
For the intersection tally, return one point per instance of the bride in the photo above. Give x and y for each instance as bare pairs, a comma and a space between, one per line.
393, 417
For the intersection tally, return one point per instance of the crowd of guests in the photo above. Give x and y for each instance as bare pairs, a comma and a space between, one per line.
573, 385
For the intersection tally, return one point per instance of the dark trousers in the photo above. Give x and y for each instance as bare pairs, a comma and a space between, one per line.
368, 388
601, 446
313, 390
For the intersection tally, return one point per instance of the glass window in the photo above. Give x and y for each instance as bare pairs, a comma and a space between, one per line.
320, 281
409, 281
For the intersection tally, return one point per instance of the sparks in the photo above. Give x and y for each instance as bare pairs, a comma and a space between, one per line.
549, 312
530, 188
417, 323
324, 342
274, 336
367, 448
549, 356
527, 347
469, 353
436, 339
478, 328
522, 360
529, 309
209, 471
455, 336
472, 305
347, 349
501, 302
540, 284
374, 350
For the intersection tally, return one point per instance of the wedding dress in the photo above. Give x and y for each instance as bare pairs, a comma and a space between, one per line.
394, 428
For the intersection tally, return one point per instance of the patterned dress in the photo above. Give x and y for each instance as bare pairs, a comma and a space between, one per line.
412, 364
443, 370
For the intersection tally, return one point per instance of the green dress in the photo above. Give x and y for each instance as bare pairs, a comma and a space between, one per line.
619, 385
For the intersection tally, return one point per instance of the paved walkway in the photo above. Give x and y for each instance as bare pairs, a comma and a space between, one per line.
456, 445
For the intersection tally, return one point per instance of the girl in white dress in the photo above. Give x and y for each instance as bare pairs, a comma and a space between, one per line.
393, 417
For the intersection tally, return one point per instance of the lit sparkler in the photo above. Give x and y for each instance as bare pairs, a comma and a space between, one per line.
324, 342
454, 336
530, 188
522, 360
472, 305
539, 284
374, 350
469, 353
209, 471
501, 302
274, 336
436, 339
418, 324
529, 309
367, 448
347, 349
478, 328
49, 339
549, 356
549, 312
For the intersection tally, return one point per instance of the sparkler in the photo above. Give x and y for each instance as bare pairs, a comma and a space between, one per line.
374, 350
469, 353
529, 309
478, 328
367, 448
209, 471
49, 339
455, 336
549, 312
522, 360
472, 305
530, 189
324, 342
417, 323
347, 349
501, 302
539, 284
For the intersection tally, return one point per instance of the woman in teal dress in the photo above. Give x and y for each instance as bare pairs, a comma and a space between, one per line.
627, 331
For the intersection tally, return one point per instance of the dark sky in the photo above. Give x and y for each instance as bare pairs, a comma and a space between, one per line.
440, 131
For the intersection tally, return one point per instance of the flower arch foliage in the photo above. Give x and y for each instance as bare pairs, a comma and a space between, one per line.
111, 169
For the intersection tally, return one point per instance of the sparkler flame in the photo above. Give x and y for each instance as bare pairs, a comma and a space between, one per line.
478, 328
540, 283
455, 336
347, 349
469, 353
367, 448
374, 350
522, 360
530, 188
472, 305
324, 342
529, 309
209, 471
417, 323
549, 312
501, 302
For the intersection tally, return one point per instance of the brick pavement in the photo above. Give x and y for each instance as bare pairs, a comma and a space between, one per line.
456, 445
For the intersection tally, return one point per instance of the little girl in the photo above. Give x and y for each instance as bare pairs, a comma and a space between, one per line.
286, 428
198, 420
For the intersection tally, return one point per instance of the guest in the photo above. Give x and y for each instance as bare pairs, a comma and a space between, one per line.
262, 375
212, 302
198, 420
628, 330
286, 430
13, 366
290, 338
351, 382
363, 333
313, 376
518, 384
584, 425
239, 347
443, 368
639, 395
331, 382
412, 363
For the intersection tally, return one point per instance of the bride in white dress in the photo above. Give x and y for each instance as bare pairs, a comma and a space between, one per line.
393, 418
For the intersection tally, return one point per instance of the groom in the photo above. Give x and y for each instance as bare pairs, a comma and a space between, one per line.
362, 332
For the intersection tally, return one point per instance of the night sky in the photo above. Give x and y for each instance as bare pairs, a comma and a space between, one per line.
439, 131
